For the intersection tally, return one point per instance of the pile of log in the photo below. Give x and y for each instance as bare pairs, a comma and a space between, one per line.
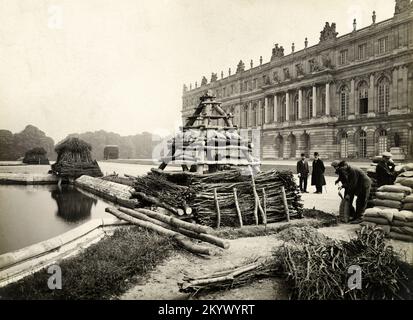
224, 198
228, 278
181, 231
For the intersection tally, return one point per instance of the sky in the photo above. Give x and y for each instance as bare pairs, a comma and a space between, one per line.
70, 66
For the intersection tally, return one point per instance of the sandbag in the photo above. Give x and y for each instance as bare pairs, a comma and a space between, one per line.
399, 223
408, 206
407, 174
405, 181
396, 196
386, 213
345, 211
404, 215
395, 188
372, 212
408, 199
403, 230
408, 166
376, 220
387, 203
399, 236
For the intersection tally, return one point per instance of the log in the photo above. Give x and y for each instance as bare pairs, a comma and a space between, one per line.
175, 222
181, 239
264, 201
287, 212
200, 236
217, 208
159, 203
257, 200
237, 207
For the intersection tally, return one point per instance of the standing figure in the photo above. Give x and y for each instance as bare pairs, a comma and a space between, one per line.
356, 183
303, 172
317, 176
385, 170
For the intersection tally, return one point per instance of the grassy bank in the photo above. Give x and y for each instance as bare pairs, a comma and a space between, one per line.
102, 271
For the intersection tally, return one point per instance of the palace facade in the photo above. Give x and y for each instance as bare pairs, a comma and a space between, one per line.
346, 97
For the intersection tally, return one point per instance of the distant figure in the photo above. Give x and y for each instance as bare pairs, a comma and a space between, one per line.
303, 172
356, 183
317, 176
385, 170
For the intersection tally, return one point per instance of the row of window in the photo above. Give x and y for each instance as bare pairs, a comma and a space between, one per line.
383, 97
383, 47
382, 144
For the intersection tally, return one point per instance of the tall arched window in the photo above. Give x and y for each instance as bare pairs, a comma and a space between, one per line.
344, 101
363, 94
254, 116
295, 114
382, 141
283, 109
323, 102
309, 103
271, 109
245, 117
344, 145
383, 95
363, 144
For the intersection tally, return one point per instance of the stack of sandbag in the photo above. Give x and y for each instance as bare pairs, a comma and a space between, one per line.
371, 173
405, 178
392, 211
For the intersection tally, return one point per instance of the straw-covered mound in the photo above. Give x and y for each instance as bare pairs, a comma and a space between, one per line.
36, 156
74, 159
322, 271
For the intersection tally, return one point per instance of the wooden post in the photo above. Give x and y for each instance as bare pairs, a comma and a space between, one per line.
287, 212
264, 200
237, 207
217, 208
257, 200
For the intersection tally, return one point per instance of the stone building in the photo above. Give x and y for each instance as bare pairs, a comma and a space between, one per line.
348, 96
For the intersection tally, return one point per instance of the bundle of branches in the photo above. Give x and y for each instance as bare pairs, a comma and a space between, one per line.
322, 271
228, 278
74, 159
157, 189
267, 185
127, 181
36, 156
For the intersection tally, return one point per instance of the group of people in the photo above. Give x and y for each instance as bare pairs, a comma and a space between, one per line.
353, 180
317, 176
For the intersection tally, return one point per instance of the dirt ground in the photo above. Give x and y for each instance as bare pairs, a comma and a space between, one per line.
162, 282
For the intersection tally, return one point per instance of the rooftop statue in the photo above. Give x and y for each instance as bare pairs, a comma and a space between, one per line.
402, 5
329, 32
277, 52
214, 77
204, 81
241, 66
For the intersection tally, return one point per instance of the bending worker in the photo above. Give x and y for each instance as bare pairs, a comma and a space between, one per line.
385, 170
356, 183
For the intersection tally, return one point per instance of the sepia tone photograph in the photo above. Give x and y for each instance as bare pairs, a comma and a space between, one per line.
223, 151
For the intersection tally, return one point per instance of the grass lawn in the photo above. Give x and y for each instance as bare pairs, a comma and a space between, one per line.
103, 271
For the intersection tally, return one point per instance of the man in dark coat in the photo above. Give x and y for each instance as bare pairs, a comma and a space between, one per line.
356, 183
385, 170
317, 176
303, 172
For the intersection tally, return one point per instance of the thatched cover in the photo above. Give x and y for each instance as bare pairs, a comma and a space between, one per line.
36, 156
74, 159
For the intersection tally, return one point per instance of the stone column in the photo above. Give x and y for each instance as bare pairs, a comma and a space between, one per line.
300, 104
275, 108
287, 106
405, 98
266, 110
327, 99
249, 119
314, 101
259, 120
371, 95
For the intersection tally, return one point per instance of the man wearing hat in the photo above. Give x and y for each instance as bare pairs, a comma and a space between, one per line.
385, 170
317, 176
303, 172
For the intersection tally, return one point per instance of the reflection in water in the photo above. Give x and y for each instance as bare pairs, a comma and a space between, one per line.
72, 205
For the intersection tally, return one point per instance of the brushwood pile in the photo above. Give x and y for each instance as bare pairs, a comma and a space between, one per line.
230, 189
